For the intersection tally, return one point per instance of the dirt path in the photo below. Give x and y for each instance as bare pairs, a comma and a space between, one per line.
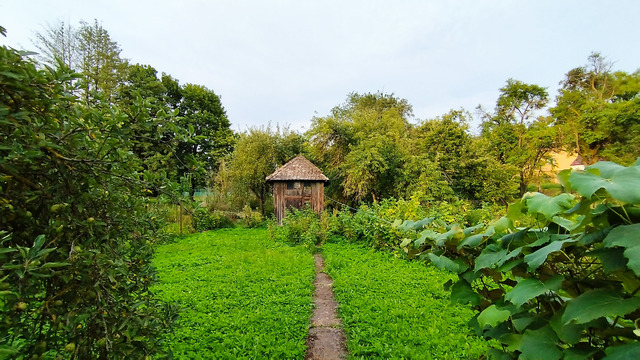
326, 339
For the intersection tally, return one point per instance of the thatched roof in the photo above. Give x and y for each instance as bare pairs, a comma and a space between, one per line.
298, 168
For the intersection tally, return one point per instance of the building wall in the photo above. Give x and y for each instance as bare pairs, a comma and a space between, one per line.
295, 194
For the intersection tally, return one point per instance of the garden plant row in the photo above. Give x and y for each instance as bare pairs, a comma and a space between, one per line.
244, 296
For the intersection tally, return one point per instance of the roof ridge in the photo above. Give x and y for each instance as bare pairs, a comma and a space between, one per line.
298, 168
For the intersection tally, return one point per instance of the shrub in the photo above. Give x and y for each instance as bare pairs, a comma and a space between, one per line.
300, 227
250, 218
76, 236
557, 277
203, 220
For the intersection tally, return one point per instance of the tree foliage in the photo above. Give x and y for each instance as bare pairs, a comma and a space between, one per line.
518, 142
362, 144
209, 137
258, 153
597, 112
204, 136
76, 233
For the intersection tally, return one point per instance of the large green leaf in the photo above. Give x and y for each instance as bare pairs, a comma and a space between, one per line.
536, 258
492, 316
475, 240
622, 183
626, 236
570, 333
569, 224
623, 352
528, 289
493, 256
442, 262
462, 293
549, 206
612, 259
584, 352
540, 344
596, 304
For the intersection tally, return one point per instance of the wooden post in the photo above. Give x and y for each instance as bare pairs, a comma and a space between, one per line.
180, 218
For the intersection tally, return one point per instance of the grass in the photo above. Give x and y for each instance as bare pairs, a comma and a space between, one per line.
243, 296
395, 309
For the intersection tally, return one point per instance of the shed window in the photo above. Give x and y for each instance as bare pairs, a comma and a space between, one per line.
307, 185
291, 185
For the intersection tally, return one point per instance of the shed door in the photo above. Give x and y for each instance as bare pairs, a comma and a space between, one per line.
295, 202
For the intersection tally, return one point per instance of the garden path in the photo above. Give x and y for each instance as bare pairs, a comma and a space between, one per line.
326, 339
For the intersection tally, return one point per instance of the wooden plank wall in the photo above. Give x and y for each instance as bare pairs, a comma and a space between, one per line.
317, 197
279, 198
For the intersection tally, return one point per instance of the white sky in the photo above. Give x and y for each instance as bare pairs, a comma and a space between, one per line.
286, 61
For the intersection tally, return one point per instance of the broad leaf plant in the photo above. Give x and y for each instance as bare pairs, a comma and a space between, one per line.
557, 277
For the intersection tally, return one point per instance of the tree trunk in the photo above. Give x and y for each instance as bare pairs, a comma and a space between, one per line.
261, 198
523, 185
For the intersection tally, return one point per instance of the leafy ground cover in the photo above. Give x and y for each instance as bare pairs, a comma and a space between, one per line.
243, 296
392, 308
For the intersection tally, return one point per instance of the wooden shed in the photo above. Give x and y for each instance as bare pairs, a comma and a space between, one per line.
296, 184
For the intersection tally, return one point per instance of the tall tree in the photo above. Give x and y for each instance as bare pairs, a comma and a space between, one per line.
143, 97
362, 144
597, 112
448, 151
258, 153
99, 60
58, 43
87, 49
509, 131
210, 136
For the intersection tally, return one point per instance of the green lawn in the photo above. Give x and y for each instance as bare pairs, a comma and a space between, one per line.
243, 296
246, 297
395, 309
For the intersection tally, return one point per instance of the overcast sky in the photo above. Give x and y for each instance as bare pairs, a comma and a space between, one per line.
287, 61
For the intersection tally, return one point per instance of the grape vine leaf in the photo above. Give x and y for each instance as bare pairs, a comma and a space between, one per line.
492, 255
442, 262
626, 236
549, 206
623, 352
462, 293
612, 259
475, 240
492, 316
622, 183
570, 333
596, 304
536, 258
540, 344
528, 289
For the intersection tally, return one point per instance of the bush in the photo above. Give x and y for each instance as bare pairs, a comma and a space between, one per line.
557, 277
250, 218
301, 227
203, 220
373, 224
76, 236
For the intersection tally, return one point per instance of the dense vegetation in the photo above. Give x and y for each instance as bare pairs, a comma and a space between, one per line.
94, 149
243, 296
557, 277
76, 234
